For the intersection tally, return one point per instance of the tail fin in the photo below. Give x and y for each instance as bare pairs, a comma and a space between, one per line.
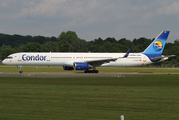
156, 48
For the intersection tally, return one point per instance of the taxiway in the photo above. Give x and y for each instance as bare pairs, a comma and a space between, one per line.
64, 75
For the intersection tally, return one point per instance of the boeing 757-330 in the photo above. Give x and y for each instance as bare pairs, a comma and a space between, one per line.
87, 61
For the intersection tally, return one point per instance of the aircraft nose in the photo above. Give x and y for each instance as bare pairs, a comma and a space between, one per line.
3, 62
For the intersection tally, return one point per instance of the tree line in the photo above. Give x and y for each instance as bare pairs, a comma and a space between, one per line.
70, 42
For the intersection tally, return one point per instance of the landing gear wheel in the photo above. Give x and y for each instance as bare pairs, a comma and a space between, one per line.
91, 71
86, 71
20, 71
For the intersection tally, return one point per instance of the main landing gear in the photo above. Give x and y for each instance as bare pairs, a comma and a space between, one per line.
91, 71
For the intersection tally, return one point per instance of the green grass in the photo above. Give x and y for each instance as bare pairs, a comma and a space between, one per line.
137, 98
58, 69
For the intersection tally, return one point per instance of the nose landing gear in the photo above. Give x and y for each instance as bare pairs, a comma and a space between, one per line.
20, 71
20, 66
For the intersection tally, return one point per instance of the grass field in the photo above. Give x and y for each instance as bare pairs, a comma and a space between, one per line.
56, 69
154, 97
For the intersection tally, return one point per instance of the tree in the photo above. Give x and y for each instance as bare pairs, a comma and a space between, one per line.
125, 44
98, 41
106, 47
141, 44
167, 49
33, 47
78, 45
175, 50
111, 40
50, 46
40, 39
6, 50
66, 39
176, 42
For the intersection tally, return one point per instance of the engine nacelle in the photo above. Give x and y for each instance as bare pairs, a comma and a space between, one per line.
67, 68
82, 66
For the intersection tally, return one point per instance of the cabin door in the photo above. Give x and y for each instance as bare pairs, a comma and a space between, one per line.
48, 57
20, 58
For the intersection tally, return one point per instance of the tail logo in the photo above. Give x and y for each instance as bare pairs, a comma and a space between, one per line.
158, 46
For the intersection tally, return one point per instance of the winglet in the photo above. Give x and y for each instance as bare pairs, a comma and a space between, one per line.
126, 55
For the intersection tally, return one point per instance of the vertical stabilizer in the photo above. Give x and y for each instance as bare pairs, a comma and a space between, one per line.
156, 48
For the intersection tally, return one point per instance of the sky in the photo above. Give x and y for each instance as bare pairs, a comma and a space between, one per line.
91, 19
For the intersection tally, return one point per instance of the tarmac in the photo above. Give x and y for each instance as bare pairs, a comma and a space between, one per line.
65, 75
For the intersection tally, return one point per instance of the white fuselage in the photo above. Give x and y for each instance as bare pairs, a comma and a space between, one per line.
68, 59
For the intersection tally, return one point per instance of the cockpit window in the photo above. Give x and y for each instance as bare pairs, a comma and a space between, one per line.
9, 58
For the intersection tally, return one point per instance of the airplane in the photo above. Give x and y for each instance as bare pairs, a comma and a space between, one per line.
87, 61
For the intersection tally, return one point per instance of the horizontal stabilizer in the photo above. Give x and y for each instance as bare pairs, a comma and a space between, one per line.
158, 58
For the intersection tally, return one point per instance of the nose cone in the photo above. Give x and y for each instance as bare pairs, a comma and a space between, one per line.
3, 62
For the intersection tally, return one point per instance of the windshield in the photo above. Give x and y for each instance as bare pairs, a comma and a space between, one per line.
9, 57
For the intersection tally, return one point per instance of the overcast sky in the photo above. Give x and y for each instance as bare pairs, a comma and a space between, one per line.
91, 19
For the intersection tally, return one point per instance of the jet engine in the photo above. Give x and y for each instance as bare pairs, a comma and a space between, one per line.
82, 66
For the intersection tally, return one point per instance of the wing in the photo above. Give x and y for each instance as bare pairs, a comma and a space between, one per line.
102, 61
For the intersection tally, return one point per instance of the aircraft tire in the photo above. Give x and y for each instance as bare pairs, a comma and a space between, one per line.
86, 71
91, 71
